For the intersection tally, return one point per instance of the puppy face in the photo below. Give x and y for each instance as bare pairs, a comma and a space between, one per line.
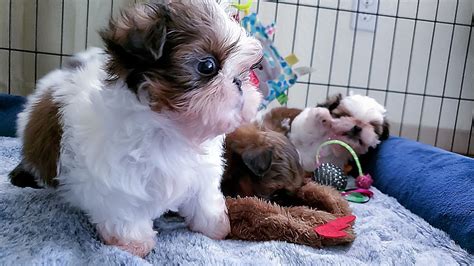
358, 134
189, 61
358, 120
260, 163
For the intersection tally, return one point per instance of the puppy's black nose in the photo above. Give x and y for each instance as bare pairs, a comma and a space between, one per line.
238, 83
355, 130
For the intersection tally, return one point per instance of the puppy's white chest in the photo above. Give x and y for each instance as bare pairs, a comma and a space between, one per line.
180, 173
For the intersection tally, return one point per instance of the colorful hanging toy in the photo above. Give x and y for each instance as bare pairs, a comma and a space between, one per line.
331, 175
275, 73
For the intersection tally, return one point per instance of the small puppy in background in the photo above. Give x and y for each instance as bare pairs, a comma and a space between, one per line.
261, 163
357, 120
131, 132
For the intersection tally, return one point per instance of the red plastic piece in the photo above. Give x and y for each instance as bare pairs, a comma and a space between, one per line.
334, 229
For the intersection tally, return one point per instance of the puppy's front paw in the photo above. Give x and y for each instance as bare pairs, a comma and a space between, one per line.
215, 227
137, 248
136, 237
221, 228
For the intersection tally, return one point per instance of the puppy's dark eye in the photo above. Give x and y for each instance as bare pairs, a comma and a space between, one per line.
207, 66
258, 64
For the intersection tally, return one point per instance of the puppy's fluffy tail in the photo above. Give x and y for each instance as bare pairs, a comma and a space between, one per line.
21, 177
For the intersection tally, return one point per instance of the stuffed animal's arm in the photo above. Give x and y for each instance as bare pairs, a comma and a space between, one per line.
323, 198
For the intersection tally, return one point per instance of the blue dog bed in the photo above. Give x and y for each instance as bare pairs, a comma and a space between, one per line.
435, 184
10, 106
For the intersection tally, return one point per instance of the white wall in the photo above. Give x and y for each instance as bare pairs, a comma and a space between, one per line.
407, 69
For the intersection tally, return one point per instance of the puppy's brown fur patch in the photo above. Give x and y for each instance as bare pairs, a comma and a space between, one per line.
41, 140
261, 163
279, 119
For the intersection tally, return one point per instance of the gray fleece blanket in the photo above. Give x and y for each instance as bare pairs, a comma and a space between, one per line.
37, 228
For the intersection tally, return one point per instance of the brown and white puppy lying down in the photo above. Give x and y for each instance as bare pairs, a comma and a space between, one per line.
263, 170
357, 120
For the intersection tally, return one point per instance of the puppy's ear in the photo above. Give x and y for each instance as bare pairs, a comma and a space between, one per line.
258, 160
137, 37
385, 130
332, 102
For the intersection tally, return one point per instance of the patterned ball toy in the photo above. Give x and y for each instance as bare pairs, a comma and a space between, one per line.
329, 174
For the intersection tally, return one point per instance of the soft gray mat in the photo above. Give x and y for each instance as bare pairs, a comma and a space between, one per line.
37, 228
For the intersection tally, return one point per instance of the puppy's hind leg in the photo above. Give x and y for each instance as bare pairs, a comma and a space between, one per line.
21, 177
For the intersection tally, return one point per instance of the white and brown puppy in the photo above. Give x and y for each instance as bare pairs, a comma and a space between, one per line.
357, 120
136, 130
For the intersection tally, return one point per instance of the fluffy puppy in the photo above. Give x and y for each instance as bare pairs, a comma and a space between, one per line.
261, 163
133, 131
357, 120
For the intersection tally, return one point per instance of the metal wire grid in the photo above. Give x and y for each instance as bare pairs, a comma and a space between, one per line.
317, 5
405, 92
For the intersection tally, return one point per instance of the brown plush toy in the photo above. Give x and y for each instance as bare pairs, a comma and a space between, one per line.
268, 197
